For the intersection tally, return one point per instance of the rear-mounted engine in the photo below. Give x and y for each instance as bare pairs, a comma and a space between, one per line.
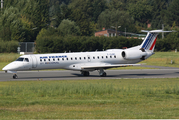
133, 54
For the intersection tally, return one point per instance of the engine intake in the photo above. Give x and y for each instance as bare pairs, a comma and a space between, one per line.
133, 54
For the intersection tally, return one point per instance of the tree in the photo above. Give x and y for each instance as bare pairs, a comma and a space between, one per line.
57, 12
172, 15
68, 27
114, 18
23, 19
98, 6
141, 11
10, 25
84, 12
117, 4
158, 12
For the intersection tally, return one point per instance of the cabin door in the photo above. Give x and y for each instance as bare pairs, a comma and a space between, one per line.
34, 61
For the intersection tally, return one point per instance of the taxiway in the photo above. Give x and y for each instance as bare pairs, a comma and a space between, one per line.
75, 75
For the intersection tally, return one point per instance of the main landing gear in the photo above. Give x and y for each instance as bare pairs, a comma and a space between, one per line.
85, 73
15, 76
101, 73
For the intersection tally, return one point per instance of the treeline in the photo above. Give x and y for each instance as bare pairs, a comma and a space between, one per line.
8, 46
26, 20
22, 20
170, 42
48, 41
56, 44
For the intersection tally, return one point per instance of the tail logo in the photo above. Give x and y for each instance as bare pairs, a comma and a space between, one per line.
153, 44
150, 41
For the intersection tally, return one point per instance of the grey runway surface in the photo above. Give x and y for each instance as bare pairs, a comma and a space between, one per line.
75, 75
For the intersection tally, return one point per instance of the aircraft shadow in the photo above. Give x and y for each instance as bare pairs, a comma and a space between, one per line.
76, 76
120, 75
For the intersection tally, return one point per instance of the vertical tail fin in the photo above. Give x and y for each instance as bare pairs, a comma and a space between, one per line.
149, 42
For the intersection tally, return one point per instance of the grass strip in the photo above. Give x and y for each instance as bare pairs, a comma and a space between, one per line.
90, 99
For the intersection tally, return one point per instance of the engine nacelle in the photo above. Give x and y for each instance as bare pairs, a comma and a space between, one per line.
133, 54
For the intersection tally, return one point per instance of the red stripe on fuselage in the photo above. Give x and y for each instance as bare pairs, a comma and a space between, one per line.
153, 44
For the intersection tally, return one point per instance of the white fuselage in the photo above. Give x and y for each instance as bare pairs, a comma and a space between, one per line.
71, 61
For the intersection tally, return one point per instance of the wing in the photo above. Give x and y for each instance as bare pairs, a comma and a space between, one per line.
106, 66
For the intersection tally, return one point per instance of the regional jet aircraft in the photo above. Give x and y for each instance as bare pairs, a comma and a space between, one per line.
87, 61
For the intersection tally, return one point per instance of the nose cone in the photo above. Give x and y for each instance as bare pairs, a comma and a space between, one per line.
8, 67
5, 68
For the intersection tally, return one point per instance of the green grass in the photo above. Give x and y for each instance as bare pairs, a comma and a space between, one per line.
3, 64
163, 59
90, 99
8, 57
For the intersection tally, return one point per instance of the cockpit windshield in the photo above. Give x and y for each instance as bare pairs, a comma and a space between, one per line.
20, 59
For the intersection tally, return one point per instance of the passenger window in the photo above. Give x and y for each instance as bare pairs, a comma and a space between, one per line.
48, 59
26, 60
40, 60
93, 57
58, 59
80, 58
98, 57
67, 58
62, 58
88, 57
106, 56
53, 59
75, 58
84, 58
114, 56
102, 57
44, 59
71, 58
110, 56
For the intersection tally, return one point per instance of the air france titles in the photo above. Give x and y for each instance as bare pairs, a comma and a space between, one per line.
45, 57
53, 57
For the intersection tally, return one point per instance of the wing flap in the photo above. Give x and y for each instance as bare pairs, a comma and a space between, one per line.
106, 66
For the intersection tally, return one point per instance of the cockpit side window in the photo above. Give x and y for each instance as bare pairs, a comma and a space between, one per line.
26, 60
20, 59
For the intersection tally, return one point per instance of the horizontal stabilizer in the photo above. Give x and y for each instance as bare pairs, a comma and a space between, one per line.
156, 31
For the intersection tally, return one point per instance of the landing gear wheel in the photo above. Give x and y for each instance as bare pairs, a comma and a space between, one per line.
15, 76
85, 73
103, 75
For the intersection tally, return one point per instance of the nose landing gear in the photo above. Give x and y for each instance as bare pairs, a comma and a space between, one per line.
15, 76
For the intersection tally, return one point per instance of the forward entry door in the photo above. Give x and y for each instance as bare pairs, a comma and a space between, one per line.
34, 61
